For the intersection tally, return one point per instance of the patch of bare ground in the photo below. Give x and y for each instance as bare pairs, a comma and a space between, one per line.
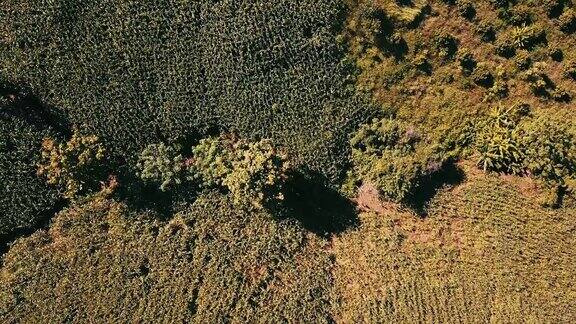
415, 229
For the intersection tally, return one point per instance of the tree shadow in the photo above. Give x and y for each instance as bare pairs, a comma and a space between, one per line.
419, 200
42, 222
319, 208
21, 103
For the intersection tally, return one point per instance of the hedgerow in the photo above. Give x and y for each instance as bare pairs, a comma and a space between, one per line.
253, 172
211, 263
136, 74
25, 198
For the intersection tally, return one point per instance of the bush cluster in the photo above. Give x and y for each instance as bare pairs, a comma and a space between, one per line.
509, 141
253, 172
394, 157
135, 73
76, 167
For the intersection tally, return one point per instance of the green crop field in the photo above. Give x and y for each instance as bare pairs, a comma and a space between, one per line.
310, 161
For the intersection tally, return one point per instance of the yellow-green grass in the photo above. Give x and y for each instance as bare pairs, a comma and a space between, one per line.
211, 263
485, 253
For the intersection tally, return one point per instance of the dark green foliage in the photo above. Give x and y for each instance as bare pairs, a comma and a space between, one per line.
393, 157
25, 198
136, 73
550, 150
211, 263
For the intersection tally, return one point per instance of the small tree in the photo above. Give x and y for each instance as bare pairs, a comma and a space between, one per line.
75, 167
160, 163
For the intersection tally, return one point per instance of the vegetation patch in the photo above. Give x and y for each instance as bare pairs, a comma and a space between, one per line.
210, 263
486, 252
137, 74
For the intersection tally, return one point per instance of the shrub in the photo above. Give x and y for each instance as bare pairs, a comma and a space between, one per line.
498, 91
519, 16
135, 73
554, 8
466, 9
556, 54
253, 172
394, 157
560, 95
483, 77
76, 167
498, 144
446, 45
538, 80
486, 31
161, 164
505, 48
523, 61
570, 71
527, 37
467, 62
568, 21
